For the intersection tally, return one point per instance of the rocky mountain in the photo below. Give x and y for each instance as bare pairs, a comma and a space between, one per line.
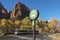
20, 11
1, 7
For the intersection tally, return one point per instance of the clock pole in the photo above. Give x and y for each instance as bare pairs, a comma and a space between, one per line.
33, 15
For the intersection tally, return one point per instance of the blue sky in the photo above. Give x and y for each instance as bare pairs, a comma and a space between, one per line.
47, 8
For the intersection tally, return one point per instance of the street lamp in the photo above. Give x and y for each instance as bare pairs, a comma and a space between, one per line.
33, 15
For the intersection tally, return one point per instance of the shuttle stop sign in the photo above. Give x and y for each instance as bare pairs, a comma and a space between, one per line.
33, 14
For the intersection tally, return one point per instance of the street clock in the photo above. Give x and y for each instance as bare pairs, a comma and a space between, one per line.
33, 15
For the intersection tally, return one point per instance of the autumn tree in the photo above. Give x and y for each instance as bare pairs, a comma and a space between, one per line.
26, 23
3, 26
43, 26
52, 25
54, 21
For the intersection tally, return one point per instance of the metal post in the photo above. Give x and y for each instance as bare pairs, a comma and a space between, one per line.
33, 24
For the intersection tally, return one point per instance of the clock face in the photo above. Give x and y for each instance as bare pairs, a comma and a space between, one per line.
33, 14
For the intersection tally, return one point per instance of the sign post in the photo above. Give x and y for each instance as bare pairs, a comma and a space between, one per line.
33, 15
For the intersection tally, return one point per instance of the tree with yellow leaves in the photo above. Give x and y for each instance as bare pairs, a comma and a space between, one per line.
52, 25
54, 21
3, 26
43, 26
26, 24
17, 24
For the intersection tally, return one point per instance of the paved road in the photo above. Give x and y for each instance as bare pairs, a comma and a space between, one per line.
24, 37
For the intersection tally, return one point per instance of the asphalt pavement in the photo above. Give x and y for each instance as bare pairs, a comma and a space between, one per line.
24, 37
